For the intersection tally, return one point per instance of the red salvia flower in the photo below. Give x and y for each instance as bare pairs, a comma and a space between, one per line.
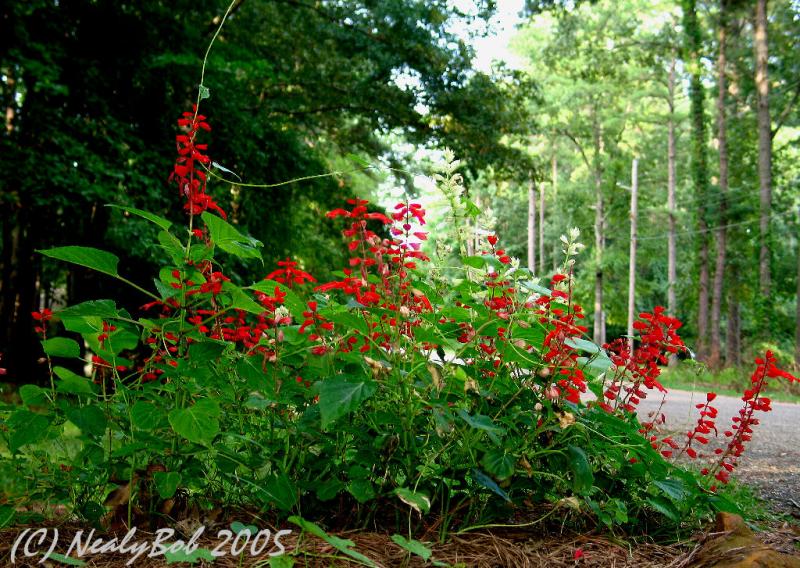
289, 274
640, 366
741, 430
187, 171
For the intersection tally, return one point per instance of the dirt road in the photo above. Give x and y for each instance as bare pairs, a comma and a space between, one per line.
771, 461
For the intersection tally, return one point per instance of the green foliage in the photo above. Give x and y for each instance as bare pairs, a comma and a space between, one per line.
331, 397
302, 87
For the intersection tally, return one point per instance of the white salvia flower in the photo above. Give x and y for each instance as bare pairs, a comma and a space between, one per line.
281, 312
571, 246
449, 155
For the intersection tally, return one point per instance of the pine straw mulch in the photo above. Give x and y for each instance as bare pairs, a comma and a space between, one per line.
498, 548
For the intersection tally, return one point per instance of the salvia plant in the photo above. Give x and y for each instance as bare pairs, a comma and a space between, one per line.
446, 393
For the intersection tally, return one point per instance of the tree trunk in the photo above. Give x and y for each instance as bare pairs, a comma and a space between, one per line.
764, 143
599, 327
634, 236
797, 299
468, 240
732, 339
532, 226
554, 177
541, 228
476, 241
20, 347
699, 167
672, 256
715, 355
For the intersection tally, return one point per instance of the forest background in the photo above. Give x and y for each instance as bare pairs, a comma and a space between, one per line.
357, 98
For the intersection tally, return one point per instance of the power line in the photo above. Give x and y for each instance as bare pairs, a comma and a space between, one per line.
697, 231
715, 228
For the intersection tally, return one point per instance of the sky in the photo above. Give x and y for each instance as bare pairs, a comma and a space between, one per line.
496, 45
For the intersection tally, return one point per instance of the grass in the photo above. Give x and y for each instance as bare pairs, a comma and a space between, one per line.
732, 381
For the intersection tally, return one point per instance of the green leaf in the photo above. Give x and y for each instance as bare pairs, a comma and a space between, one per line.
62, 347
673, 488
328, 490
106, 309
58, 557
499, 464
725, 505
582, 344
472, 210
90, 419
474, 261
340, 395
199, 423
201, 352
130, 449
122, 340
482, 422
361, 489
349, 321
172, 246
226, 237
90, 326
167, 483
581, 470
292, 301
160, 221
664, 507
358, 160
145, 415
420, 502
239, 528
26, 428
195, 556
33, 395
280, 492
241, 301
203, 92
93, 258
485, 481
6, 515
340, 544
72, 383
413, 546
222, 168
282, 561
597, 364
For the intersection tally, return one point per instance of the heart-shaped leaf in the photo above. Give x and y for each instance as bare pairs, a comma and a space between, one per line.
226, 237
199, 423
340, 395
167, 483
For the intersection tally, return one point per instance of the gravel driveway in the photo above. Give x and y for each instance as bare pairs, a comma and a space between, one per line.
771, 461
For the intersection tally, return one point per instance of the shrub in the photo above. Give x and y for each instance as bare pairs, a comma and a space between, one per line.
394, 392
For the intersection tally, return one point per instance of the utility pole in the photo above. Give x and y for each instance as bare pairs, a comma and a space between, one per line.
634, 235
797, 314
541, 228
553, 200
532, 226
672, 247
